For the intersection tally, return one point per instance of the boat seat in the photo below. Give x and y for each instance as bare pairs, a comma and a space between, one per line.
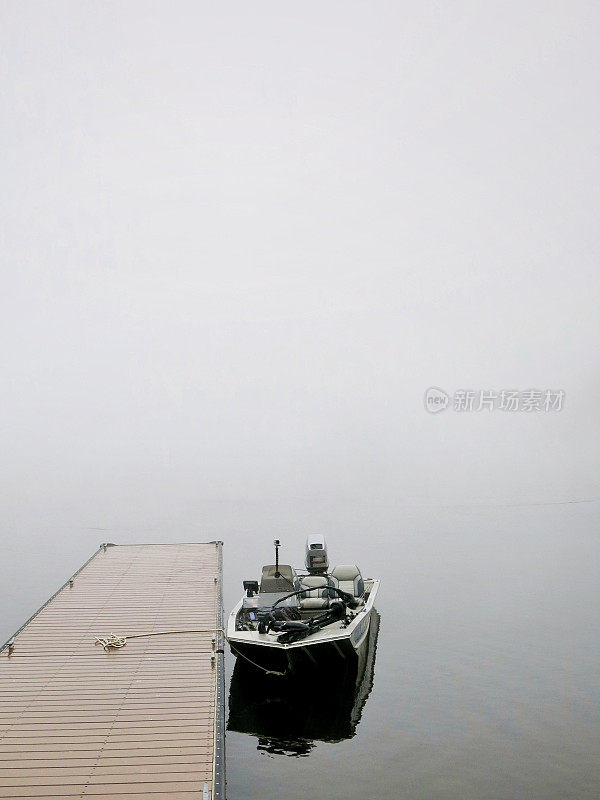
286, 581
347, 577
317, 594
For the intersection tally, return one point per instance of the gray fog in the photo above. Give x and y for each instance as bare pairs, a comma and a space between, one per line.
240, 241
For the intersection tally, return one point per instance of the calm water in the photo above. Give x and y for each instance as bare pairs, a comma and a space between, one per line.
486, 675
486, 678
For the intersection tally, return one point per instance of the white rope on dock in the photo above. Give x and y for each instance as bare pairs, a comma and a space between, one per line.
115, 642
111, 642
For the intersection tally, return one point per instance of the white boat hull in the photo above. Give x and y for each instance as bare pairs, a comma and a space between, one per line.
288, 716
336, 641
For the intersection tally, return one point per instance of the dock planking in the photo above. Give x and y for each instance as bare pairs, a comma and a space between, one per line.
145, 720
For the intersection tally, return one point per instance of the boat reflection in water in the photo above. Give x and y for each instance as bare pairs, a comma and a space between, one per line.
288, 715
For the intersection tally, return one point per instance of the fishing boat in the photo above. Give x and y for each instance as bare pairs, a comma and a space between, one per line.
288, 717
293, 620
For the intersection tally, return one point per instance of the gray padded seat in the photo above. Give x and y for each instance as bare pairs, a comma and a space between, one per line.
285, 582
317, 597
347, 577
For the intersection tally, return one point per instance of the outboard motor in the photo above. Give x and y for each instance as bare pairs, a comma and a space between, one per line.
316, 562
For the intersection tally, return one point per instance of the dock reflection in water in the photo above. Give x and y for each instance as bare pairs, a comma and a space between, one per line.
288, 715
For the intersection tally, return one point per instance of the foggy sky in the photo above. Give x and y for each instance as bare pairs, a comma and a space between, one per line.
239, 241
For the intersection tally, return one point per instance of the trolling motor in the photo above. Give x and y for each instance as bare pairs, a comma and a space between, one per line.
293, 631
287, 620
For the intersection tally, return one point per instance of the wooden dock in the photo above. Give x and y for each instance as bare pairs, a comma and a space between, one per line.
145, 720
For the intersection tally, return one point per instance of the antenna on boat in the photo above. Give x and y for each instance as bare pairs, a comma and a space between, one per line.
277, 544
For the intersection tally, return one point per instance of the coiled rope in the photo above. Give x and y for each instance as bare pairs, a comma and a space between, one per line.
113, 642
